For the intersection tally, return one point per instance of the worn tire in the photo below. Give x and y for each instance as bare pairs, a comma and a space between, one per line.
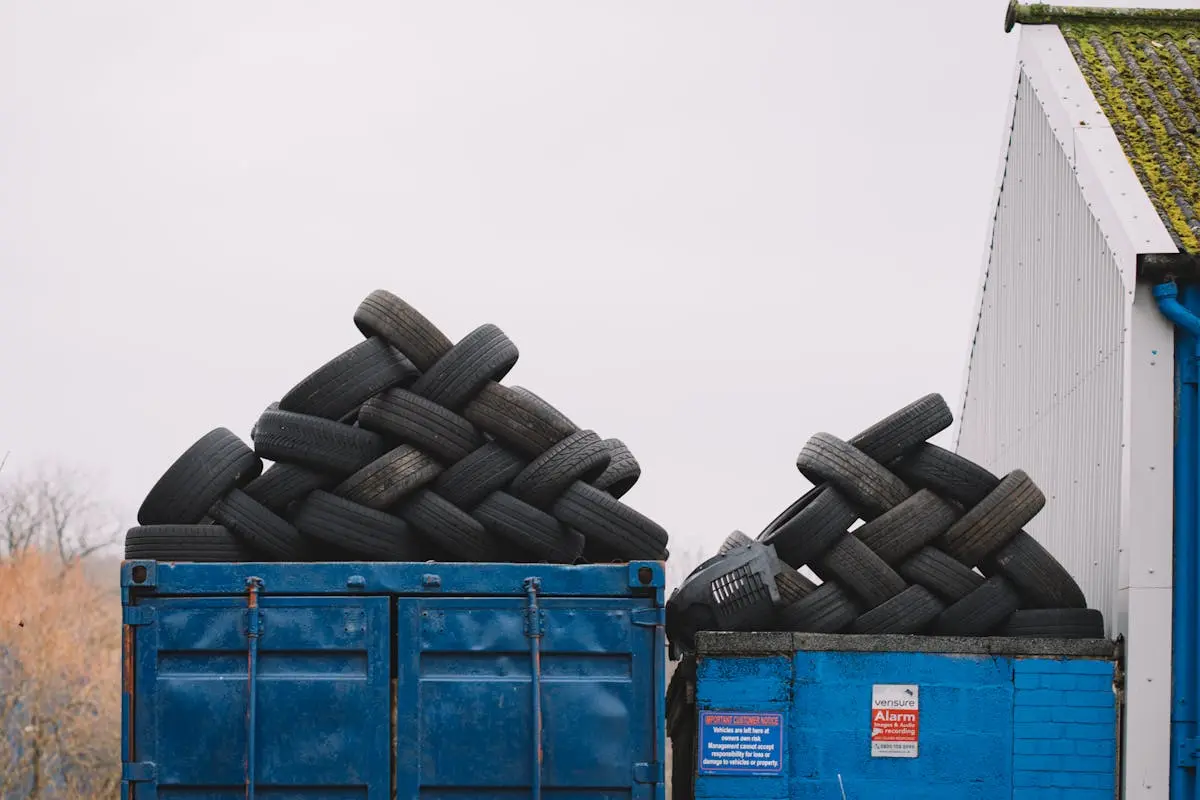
529, 528
185, 543
1040, 579
361, 531
908, 527
385, 315
863, 481
995, 520
734, 541
411, 419
218, 462
1057, 623
339, 387
949, 579
612, 524
260, 528
909, 427
911, 611
320, 444
980, 612
282, 485
792, 586
809, 527
622, 472
390, 478
453, 531
518, 418
488, 469
582, 456
485, 354
827, 609
856, 568
946, 474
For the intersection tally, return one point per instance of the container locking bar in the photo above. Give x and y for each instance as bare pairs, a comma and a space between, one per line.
253, 632
534, 630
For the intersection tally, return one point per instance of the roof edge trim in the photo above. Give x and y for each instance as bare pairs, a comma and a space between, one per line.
1047, 14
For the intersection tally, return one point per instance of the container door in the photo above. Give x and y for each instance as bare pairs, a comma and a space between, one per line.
465, 711
319, 704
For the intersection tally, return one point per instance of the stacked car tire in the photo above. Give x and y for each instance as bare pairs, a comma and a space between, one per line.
939, 547
406, 447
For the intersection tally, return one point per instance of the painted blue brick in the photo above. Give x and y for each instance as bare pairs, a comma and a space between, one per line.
1064, 666
1063, 764
1040, 697
1063, 780
1029, 680
1045, 747
1039, 730
1091, 699
1037, 793
1075, 683
1082, 714
1034, 714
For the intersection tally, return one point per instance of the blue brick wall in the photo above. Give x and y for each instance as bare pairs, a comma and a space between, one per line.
1064, 730
991, 727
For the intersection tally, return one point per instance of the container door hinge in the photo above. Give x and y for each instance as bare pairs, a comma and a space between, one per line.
1187, 752
648, 772
137, 615
139, 772
650, 617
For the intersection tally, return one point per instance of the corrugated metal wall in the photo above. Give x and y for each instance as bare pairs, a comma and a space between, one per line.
1044, 388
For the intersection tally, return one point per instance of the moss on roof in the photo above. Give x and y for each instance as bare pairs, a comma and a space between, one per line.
1143, 66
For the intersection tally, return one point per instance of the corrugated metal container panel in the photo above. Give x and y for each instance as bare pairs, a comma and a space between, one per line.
1044, 389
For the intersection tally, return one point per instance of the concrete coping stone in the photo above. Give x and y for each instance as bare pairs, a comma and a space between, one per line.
714, 643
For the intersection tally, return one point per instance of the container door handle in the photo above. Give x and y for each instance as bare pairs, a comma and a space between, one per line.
253, 632
533, 630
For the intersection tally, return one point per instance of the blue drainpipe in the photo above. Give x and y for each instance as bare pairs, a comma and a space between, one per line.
1184, 596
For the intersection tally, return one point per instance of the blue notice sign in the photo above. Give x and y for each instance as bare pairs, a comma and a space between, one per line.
741, 743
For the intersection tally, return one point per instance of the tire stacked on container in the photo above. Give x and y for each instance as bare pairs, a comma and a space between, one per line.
940, 546
406, 447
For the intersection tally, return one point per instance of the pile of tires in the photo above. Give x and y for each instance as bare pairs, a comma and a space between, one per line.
939, 548
406, 447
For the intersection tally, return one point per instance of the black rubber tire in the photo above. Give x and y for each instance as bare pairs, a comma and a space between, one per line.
385, 315
410, 418
792, 586
529, 528
390, 478
361, 531
623, 470
809, 527
995, 520
259, 527
1056, 623
282, 485
912, 611
857, 569
614, 526
863, 481
1041, 581
521, 420
344, 383
216, 463
939, 573
452, 530
582, 456
946, 474
734, 541
314, 442
827, 609
203, 543
484, 471
909, 427
485, 354
981, 612
908, 527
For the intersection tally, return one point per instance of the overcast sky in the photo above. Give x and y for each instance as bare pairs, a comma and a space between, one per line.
712, 228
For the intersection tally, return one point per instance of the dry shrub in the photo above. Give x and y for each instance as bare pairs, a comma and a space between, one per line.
60, 680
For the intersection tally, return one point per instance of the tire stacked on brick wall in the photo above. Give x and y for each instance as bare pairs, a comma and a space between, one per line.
939, 548
406, 447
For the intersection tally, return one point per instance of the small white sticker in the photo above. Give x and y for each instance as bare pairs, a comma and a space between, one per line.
895, 720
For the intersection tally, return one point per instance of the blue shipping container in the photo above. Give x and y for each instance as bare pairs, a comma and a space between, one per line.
782, 715
376, 680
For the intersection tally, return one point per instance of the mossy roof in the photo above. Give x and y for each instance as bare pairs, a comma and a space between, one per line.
1143, 66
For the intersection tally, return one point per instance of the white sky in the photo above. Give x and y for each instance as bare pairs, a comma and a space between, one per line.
712, 228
